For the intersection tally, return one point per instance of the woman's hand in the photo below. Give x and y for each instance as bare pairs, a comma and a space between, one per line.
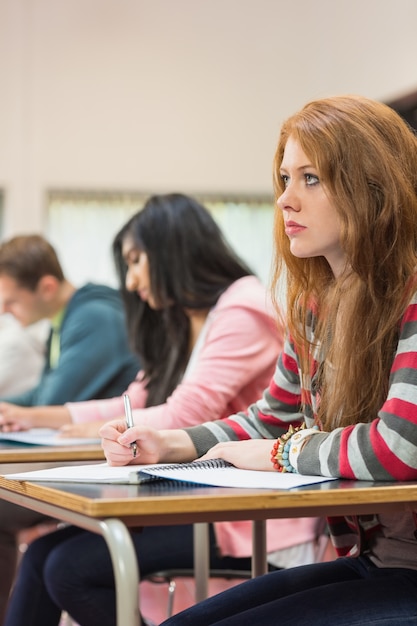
153, 446
252, 454
14, 418
117, 439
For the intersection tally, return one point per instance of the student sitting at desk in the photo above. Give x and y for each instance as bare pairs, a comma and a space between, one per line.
78, 364
200, 321
208, 343
87, 355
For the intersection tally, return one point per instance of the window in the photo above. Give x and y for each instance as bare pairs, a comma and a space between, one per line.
81, 226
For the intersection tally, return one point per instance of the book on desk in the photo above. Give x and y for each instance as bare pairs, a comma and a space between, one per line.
215, 472
45, 437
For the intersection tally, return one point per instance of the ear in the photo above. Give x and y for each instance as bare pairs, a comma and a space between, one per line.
47, 287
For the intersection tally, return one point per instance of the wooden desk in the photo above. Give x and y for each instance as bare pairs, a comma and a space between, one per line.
16, 457
109, 509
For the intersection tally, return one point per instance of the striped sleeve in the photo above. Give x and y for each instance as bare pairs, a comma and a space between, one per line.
268, 418
386, 447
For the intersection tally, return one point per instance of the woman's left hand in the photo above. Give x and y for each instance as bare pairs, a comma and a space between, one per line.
252, 454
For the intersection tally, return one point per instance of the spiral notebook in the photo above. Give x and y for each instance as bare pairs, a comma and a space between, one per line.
215, 472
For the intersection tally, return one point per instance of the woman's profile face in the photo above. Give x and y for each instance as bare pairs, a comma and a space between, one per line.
312, 223
138, 276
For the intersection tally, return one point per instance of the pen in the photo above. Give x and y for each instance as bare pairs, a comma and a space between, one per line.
129, 422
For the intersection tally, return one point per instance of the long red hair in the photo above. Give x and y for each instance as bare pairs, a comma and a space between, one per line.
366, 156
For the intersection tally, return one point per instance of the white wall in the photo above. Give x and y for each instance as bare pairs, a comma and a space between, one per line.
187, 95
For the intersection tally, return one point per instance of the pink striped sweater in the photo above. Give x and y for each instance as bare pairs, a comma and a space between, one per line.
383, 449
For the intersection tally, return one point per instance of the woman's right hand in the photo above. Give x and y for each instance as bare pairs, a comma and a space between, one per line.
117, 439
153, 446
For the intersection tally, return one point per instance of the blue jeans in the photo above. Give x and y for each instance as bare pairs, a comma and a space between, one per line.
344, 592
70, 569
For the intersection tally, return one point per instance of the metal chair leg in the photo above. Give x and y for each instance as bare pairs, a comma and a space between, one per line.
172, 585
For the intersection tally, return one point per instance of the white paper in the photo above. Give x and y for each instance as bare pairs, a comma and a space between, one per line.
234, 477
94, 473
46, 437
219, 477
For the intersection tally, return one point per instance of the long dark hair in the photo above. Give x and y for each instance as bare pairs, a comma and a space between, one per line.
190, 266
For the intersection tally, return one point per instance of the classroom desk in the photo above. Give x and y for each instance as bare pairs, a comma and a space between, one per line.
19, 453
15, 457
110, 509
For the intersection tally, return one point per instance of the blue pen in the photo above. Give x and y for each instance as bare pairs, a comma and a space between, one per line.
129, 422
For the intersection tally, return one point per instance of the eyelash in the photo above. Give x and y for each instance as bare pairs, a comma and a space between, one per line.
314, 180
134, 258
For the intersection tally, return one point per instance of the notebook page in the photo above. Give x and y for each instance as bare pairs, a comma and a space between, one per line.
226, 475
46, 437
220, 476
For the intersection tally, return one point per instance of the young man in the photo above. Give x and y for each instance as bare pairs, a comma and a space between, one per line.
87, 355
87, 352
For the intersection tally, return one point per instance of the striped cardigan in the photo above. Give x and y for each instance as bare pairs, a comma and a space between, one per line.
383, 449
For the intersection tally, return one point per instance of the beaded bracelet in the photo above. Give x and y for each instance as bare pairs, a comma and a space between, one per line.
280, 450
296, 443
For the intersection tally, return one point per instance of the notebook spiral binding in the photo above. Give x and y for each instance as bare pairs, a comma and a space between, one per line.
163, 471
209, 464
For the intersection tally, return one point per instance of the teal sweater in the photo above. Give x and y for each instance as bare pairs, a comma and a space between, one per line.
95, 360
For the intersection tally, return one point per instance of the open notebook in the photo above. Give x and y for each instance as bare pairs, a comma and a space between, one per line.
215, 472
45, 437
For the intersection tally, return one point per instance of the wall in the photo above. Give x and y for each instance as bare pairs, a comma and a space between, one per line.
156, 95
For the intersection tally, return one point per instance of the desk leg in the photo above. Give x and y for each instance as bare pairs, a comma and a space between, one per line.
259, 563
201, 560
126, 572
120, 545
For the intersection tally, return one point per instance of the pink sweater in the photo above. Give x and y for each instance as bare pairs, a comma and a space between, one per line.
230, 371
230, 367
